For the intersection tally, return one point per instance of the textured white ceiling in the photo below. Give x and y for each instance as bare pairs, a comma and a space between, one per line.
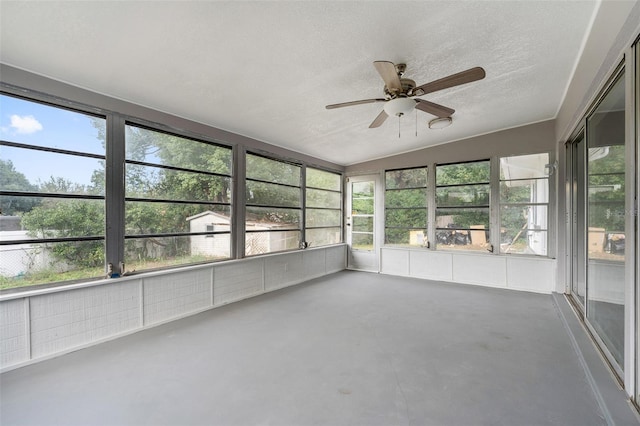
267, 69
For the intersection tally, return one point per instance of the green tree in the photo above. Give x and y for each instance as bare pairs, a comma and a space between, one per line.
13, 180
56, 218
406, 204
271, 194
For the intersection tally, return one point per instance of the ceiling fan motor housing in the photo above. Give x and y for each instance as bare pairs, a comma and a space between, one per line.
407, 86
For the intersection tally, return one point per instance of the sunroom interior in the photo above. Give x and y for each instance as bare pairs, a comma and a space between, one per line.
184, 213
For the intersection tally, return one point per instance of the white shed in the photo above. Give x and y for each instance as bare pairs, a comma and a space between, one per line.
219, 245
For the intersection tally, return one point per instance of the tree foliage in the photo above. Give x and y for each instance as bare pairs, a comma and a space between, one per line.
13, 180
606, 189
69, 218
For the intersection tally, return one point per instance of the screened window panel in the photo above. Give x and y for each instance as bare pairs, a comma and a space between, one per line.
524, 191
274, 205
407, 178
406, 218
31, 173
406, 207
524, 167
406, 198
192, 177
323, 180
462, 206
144, 217
463, 173
519, 241
406, 236
321, 218
269, 194
463, 239
469, 195
524, 198
51, 262
162, 252
158, 183
48, 126
271, 241
532, 217
64, 218
323, 236
16, 206
273, 217
323, 199
266, 169
154, 147
464, 218
51, 172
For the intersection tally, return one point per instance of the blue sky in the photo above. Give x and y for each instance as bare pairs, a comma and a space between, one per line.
37, 124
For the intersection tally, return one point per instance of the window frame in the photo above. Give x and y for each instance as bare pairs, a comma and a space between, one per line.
125, 199
549, 168
427, 203
488, 206
5, 91
340, 209
247, 205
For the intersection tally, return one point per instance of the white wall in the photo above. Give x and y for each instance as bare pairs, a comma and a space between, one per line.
39, 324
529, 139
536, 274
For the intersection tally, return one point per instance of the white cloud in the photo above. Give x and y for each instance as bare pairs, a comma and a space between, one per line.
25, 124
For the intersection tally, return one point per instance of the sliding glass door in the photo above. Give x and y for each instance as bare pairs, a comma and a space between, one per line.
596, 216
606, 239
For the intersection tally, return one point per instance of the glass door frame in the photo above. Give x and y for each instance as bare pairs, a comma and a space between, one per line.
364, 260
576, 237
625, 374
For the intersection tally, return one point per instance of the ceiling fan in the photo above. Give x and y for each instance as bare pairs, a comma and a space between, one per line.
400, 92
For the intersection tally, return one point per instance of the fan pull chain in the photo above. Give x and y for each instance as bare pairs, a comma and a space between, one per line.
416, 123
398, 126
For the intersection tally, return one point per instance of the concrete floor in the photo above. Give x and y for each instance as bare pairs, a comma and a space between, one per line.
352, 348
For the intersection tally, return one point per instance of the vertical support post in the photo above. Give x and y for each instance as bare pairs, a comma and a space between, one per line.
494, 204
114, 193
303, 205
238, 215
431, 205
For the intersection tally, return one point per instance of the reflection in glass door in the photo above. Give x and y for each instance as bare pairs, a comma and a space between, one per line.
606, 239
360, 221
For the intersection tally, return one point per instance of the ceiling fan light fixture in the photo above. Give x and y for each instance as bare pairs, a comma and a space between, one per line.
399, 106
440, 122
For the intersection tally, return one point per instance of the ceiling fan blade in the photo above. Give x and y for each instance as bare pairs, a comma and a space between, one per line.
462, 77
378, 120
434, 109
346, 104
387, 71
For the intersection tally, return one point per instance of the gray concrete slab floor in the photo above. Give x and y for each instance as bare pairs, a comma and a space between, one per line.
351, 348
